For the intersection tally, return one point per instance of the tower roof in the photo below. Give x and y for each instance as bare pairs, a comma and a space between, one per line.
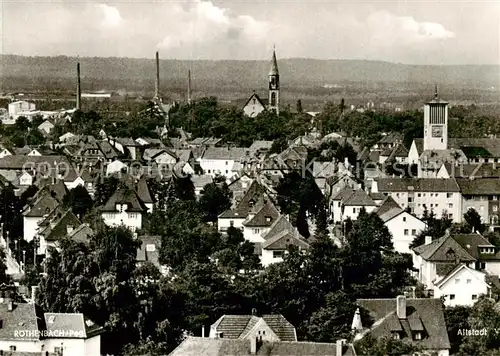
436, 99
274, 65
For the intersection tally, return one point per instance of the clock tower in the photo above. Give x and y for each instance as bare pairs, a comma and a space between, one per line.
436, 124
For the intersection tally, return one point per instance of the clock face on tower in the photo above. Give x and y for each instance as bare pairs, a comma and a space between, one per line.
437, 131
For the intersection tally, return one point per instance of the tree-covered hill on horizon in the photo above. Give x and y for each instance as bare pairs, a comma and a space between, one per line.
248, 74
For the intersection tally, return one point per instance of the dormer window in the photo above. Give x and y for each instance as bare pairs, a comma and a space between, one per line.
396, 336
268, 218
417, 335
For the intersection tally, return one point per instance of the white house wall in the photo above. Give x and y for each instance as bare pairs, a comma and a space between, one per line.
403, 229
463, 285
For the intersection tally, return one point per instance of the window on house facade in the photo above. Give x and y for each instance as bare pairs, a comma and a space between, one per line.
419, 195
256, 231
474, 297
404, 218
12, 348
457, 280
495, 208
469, 281
406, 232
449, 195
452, 296
227, 171
450, 206
231, 223
132, 215
354, 210
277, 254
413, 232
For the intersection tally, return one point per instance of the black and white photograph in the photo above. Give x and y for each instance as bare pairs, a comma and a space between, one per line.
249, 178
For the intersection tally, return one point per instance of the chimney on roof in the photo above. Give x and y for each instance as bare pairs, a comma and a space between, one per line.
78, 88
34, 290
157, 83
254, 311
428, 240
340, 346
401, 306
189, 87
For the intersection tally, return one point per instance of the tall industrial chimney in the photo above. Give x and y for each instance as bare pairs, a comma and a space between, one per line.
78, 88
189, 87
157, 84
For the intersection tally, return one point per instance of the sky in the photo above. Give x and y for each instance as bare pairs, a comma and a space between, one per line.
411, 32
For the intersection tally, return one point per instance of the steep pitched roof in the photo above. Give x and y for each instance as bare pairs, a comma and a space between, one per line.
25, 162
260, 145
234, 326
224, 153
124, 196
454, 271
60, 228
274, 65
428, 315
280, 225
262, 102
71, 325
252, 195
388, 204
343, 194
149, 250
265, 216
398, 151
199, 181
359, 198
282, 240
81, 234
43, 205
281, 327
445, 248
390, 214
324, 169
196, 346
238, 326
22, 316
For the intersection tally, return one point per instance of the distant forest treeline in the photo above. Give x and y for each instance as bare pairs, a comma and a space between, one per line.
233, 79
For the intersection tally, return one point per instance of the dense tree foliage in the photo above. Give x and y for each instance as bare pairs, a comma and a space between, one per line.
104, 189
215, 198
473, 219
300, 197
436, 228
79, 201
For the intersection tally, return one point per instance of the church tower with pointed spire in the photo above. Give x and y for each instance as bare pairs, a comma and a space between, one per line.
274, 85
